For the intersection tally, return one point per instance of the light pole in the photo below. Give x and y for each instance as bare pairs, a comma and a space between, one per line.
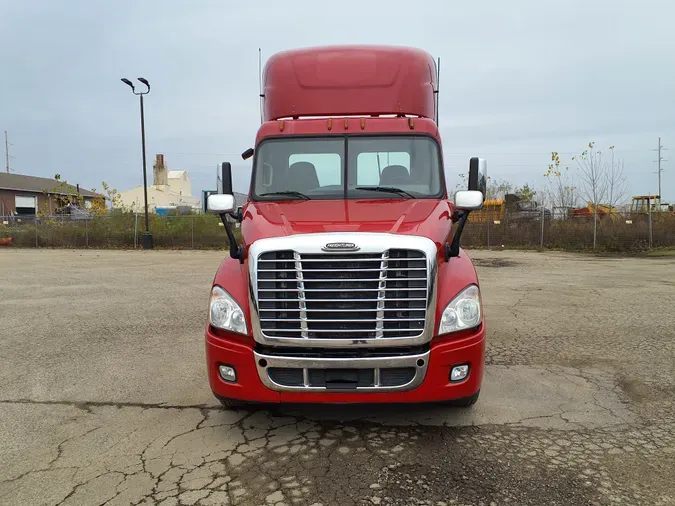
146, 237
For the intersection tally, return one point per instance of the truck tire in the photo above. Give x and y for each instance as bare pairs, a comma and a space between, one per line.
228, 403
232, 403
465, 402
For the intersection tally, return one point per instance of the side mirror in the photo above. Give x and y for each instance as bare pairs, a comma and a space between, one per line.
468, 200
225, 185
220, 203
478, 175
223, 203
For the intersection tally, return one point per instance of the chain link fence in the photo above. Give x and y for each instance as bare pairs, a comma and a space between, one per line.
618, 233
206, 231
114, 231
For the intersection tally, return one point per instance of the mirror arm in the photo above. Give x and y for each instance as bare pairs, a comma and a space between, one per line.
452, 249
456, 216
237, 215
236, 251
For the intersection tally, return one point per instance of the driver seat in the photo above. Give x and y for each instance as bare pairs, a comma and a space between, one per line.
303, 176
394, 175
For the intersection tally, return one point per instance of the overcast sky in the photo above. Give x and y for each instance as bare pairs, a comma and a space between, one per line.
519, 79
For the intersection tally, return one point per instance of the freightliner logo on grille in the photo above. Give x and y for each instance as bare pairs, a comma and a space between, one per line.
340, 246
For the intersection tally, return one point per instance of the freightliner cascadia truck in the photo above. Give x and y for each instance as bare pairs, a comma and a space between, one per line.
347, 282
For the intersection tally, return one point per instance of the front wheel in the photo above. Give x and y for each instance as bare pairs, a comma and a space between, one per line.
228, 403
232, 403
464, 402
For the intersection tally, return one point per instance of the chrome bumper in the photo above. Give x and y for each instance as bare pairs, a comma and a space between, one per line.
418, 362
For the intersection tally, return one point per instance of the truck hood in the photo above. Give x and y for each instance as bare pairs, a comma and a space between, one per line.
423, 217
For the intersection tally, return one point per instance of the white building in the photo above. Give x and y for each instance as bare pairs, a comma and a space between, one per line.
170, 188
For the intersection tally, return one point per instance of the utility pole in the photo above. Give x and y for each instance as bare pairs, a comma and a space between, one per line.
7, 153
660, 159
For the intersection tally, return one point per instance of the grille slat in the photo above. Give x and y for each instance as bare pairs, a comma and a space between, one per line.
309, 270
339, 310
420, 299
338, 320
337, 328
346, 287
302, 295
329, 259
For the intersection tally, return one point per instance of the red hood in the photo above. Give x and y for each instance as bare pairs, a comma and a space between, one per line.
423, 217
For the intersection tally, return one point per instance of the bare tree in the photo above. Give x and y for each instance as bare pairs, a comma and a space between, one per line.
561, 193
593, 180
616, 181
496, 188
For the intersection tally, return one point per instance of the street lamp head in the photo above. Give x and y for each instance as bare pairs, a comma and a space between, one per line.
144, 81
128, 83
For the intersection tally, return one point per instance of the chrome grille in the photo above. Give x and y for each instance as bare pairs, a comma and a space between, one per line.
352, 296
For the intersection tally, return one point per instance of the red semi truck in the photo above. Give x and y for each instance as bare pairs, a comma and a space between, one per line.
347, 284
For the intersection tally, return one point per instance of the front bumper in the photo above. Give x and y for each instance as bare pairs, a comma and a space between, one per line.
430, 384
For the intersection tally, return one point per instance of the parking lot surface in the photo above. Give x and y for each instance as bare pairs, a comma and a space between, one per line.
104, 397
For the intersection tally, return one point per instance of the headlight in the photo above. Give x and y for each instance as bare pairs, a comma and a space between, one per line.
462, 313
225, 313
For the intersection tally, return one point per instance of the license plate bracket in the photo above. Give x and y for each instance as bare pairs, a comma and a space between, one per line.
341, 379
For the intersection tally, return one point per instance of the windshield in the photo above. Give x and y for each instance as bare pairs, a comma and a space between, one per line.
389, 167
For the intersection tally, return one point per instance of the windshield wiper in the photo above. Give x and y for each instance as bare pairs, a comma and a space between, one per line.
289, 193
386, 189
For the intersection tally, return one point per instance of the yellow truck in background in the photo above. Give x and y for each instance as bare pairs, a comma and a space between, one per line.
510, 209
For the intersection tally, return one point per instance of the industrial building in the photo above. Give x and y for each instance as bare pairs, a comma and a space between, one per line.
170, 189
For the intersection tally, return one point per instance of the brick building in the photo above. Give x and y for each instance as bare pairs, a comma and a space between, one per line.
26, 195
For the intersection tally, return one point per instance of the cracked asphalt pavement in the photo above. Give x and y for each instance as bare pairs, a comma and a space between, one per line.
104, 397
